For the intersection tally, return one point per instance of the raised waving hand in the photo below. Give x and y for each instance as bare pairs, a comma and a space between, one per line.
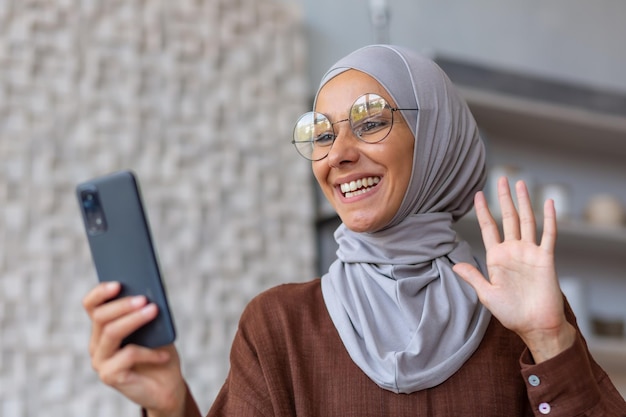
522, 290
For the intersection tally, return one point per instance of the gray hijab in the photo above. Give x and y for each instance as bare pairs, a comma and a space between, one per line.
403, 315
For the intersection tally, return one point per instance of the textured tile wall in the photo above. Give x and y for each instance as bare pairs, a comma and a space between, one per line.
198, 97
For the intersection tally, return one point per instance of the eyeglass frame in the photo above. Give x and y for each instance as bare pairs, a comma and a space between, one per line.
332, 126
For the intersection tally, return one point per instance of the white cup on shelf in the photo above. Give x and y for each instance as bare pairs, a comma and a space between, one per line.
560, 194
514, 174
605, 210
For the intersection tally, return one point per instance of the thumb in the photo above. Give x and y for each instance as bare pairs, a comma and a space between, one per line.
473, 277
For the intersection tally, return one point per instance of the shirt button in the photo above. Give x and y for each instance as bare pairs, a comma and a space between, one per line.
534, 380
544, 408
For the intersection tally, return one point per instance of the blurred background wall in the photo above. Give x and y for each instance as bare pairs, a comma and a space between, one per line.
199, 97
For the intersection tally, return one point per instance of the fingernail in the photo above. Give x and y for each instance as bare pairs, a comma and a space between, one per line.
112, 285
137, 300
149, 309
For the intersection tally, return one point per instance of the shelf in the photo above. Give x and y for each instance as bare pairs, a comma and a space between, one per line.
610, 353
521, 107
572, 235
515, 118
585, 236
611, 356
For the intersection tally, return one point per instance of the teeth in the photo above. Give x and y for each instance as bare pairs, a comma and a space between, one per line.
358, 187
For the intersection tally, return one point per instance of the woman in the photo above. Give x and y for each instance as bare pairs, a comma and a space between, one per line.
391, 329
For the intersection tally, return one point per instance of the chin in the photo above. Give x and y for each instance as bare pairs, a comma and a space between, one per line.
362, 227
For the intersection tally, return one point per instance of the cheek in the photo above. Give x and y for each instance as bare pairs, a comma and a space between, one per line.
320, 172
317, 172
404, 166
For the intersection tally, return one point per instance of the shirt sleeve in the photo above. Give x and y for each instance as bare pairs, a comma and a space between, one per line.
570, 384
245, 392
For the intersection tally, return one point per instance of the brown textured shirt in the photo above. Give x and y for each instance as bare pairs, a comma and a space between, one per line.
287, 360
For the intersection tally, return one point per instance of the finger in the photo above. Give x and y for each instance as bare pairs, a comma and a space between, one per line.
110, 311
510, 218
94, 299
115, 309
115, 371
548, 237
488, 226
527, 217
473, 277
116, 331
100, 294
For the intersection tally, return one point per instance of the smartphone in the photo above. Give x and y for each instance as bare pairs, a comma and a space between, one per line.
121, 245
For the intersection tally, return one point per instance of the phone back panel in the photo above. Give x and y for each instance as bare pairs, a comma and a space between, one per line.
122, 250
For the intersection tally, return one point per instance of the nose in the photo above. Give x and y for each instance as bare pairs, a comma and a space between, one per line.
345, 148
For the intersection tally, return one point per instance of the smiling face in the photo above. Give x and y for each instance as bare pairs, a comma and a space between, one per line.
364, 182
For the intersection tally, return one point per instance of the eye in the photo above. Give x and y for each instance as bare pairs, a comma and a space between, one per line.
371, 125
325, 139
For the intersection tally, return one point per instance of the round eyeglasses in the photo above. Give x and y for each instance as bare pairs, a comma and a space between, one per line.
370, 117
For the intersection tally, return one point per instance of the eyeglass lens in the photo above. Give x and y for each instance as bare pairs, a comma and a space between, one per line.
370, 119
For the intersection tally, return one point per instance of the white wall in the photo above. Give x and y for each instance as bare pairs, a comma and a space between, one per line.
198, 97
573, 40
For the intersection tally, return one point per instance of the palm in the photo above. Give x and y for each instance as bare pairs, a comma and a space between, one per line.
522, 291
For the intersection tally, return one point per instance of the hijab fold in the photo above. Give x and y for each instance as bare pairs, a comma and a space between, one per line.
406, 319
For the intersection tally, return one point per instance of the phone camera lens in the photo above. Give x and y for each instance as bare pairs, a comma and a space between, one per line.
93, 213
88, 201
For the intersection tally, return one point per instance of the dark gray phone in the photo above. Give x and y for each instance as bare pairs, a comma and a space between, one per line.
121, 247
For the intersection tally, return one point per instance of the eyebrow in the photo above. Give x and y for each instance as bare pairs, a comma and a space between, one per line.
331, 117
